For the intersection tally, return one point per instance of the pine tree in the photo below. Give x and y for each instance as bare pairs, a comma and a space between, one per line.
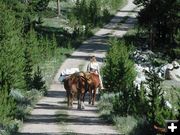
28, 69
34, 46
118, 75
178, 115
11, 48
161, 18
77, 7
118, 71
41, 5
93, 12
138, 101
157, 111
7, 106
81, 11
38, 82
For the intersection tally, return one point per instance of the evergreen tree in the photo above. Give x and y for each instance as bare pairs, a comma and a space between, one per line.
41, 5
178, 115
118, 75
77, 7
81, 11
93, 12
7, 106
161, 18
28, 69
118, 72
139, 101
11, 48
157, 111
38, 82
34, 46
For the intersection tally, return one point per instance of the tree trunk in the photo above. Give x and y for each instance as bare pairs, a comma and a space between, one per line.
58, 8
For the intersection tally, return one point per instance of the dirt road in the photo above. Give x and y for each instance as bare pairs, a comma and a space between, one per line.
51, 116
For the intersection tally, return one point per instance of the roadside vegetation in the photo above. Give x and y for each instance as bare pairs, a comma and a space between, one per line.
28, 63
34, 41
135, 110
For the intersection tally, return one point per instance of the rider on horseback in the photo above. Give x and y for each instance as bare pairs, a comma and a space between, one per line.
93, 66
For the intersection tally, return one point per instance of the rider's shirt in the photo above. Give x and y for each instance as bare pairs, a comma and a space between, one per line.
93, 67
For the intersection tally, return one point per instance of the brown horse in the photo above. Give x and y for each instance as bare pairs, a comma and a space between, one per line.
93, 84
75, 86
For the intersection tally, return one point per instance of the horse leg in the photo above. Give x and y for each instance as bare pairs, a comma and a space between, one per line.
94, 96
68, 98
82, 100
79, 100
71, 100
90, 96
67, 95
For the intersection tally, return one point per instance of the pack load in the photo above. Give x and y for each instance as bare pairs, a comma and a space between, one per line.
67, 72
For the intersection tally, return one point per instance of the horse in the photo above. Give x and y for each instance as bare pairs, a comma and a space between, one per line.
93, 84
75, 86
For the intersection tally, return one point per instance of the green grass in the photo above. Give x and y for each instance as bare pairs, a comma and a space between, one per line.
63, 4
54, 22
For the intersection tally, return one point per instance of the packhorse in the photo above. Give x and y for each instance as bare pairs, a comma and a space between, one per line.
76, 86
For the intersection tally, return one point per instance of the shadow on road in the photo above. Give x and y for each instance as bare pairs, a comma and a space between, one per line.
65, 133
56, 94
38, 134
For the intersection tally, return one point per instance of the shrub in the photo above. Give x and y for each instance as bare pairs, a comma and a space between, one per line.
142, 127
105, 105
125, 124
133, 125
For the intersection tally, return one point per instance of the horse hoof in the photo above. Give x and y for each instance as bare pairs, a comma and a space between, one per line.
79, 107
70, 107
83, 107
